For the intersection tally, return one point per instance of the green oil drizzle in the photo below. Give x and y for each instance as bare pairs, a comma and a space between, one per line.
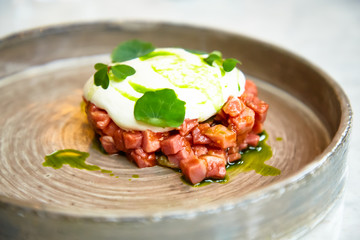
73, 158
139, 88
83, 107
127, 95
156, 54
279, 139
134, 176
183, 74
253, 158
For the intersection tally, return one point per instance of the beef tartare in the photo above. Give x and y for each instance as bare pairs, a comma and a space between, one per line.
174, 107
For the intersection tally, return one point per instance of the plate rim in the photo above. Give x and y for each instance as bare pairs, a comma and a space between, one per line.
342, 134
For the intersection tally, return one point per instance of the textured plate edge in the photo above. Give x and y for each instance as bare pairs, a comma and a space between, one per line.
340, 139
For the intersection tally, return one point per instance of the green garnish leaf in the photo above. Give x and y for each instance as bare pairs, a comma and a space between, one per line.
229, 64
198, 52
214, 56
101, 78
122, 71
160, 108
99, 66
131, 49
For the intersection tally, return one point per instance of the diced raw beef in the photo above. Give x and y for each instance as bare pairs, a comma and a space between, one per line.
110, 129
244, 122
119, 140
234, 106
187, 126
108, 144
199, 150
194, 170
172, 145
132, 139
221, 136
143, 159
215, 166
252, 139
198, 135
151, 141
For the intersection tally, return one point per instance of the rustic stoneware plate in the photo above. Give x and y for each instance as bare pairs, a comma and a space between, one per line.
42, 72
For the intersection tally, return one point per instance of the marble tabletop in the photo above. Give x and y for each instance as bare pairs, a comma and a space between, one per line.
326, 32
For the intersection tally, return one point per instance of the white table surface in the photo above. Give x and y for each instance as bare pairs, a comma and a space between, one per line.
326, 32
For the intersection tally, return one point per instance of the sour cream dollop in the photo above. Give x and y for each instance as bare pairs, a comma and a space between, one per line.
202, 87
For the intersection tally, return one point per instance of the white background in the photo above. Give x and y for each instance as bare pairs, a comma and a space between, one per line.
326, 32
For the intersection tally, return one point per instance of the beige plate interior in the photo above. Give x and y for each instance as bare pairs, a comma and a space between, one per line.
40, 106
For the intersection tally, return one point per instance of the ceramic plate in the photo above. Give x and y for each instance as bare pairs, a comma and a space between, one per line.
41, 77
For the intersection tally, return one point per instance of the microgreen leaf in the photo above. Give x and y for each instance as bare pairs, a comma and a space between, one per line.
160, 108
101, 78
131, 49
214, 56
99, 66
122, 71
229, 64
199, 52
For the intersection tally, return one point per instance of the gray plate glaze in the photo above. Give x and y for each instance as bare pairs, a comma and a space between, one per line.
41, 77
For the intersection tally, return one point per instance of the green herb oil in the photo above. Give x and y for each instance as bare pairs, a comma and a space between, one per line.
253, 158
139, 88
73, 158
127, 95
